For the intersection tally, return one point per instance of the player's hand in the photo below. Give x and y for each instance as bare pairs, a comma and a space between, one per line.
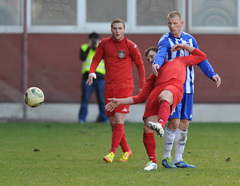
113, 104
90, 78
177, 47
217, 80
155, 68
181, 46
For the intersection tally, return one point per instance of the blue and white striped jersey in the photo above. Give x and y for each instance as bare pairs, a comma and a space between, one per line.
165, 44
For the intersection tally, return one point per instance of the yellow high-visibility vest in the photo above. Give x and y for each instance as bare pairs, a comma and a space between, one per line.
87, 63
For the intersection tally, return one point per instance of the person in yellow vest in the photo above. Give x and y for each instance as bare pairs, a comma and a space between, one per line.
87, 51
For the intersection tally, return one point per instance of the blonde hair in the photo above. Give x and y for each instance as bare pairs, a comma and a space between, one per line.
175, 13
118, 21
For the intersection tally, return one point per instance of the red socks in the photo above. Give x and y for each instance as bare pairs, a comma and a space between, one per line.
117, 135
164, 112
150, 146
124, 144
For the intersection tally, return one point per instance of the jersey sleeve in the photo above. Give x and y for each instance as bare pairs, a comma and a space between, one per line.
163, 47
97, 58
195, 44
146, 91
197, 57
137, 58
207, 69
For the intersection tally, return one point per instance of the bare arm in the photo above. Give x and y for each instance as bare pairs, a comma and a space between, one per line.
115, 102
180, 46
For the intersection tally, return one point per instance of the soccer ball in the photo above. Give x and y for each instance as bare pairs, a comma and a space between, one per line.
34, 97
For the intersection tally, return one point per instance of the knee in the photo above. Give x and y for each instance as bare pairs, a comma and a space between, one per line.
173, 124
166, 95
184, 124
146, 128
119, 118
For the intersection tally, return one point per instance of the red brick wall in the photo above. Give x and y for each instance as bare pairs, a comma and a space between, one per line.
54, 66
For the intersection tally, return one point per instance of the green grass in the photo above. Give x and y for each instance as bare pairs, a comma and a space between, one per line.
71, 154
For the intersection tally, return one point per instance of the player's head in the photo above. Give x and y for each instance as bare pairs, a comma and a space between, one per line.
150, 53
175, 23
118, 29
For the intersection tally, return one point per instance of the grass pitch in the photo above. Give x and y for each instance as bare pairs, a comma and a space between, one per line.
71, 154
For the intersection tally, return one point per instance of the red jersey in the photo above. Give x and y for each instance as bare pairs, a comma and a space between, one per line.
171, 73
119, 57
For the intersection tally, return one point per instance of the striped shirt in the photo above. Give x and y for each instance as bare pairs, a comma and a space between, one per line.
166, 42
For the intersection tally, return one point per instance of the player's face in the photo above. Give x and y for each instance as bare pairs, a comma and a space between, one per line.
175, 25
118, 31
150, 56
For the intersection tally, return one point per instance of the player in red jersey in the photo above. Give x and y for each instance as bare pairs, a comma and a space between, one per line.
119, 54
163, 93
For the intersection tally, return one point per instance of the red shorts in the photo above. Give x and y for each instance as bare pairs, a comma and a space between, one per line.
118, 93
152, 105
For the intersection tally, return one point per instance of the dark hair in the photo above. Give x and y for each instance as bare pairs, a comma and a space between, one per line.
153, 48
118, 21
93, 35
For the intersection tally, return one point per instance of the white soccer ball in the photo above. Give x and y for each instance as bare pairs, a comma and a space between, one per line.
34, 97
